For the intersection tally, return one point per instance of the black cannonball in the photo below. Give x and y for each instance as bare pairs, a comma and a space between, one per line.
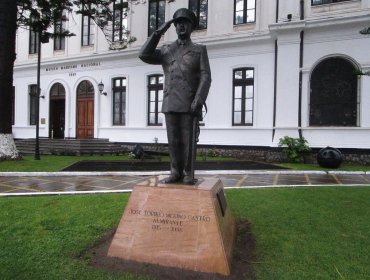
329, 157
138, 151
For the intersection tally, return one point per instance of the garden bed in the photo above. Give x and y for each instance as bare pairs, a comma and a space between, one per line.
100, 165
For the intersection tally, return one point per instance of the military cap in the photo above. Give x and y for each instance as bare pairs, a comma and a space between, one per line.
185, 13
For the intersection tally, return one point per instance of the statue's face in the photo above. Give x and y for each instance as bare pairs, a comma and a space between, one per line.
183, 27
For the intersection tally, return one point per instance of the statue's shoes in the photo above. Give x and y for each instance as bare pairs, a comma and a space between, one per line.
172, 179
188, 180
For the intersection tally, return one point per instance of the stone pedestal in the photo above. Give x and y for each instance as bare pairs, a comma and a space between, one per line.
176, 225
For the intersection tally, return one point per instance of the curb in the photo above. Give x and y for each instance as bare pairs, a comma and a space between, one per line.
130, 190
200, 172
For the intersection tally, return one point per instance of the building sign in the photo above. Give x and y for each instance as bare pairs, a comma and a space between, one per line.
75, 66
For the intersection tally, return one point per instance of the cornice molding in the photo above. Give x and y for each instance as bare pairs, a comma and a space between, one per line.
310, 23
120, 58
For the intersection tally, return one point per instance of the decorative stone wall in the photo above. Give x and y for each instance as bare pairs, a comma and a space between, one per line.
358, 158
262, 154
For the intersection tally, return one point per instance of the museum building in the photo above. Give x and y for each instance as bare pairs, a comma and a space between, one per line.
279, 68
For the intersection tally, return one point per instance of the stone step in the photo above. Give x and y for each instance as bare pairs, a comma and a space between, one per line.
70, 147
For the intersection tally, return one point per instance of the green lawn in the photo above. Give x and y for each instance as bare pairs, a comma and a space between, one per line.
311, 166
54, 163
310, 233
49, 163
302, 233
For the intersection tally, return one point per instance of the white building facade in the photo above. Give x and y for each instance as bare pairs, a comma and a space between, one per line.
279, 68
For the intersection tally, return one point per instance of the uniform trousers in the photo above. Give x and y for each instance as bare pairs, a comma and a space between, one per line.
179, 135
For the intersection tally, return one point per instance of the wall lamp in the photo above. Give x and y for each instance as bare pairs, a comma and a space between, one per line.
101, 88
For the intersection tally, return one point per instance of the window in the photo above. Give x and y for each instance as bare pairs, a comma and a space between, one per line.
156, 15
243, 95
155, 97
200, 9
244, 11
59, 28
32, 89
34, 42
88, 34
85, 89
120, 8
333, 99
321, 2
57, 91
119, 101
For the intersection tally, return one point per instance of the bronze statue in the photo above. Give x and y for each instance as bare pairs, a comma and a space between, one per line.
187, 81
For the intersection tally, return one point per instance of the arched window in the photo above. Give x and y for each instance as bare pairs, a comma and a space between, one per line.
85, 88
333, 99
57, 91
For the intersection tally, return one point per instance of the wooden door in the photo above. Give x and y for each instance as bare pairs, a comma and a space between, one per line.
85, 110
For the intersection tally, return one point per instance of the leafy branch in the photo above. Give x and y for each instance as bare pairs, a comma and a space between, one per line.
109, 15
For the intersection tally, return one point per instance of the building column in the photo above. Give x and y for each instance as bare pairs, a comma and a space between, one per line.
287, 83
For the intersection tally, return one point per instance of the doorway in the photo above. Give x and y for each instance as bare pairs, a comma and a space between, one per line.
85, 110
57, 111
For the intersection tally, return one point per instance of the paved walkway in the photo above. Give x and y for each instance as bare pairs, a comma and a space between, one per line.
45, 183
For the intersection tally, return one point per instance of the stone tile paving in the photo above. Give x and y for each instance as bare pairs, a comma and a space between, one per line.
323, 179
63, 183
230, 180
367, 178
260, 180
296, 179
352, 179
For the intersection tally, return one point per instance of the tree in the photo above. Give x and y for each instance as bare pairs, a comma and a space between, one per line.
8, 26
37, 15
40, 15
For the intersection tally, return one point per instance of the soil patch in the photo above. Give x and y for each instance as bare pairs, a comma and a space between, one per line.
98, 165
243, 258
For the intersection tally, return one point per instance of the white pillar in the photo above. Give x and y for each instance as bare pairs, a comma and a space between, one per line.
287, 86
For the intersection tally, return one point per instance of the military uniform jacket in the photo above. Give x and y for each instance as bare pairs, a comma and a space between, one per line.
186, 70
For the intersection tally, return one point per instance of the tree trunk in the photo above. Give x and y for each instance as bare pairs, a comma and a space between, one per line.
8, 27
8, 150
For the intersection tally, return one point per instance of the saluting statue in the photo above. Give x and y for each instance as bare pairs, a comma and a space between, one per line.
187, 81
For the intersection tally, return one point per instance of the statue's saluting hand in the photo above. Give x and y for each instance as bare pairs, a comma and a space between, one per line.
164, 27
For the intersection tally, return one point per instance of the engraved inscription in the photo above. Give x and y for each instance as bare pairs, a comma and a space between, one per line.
73, 66
173, 222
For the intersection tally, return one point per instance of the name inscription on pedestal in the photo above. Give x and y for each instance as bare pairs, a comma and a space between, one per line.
173, 222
